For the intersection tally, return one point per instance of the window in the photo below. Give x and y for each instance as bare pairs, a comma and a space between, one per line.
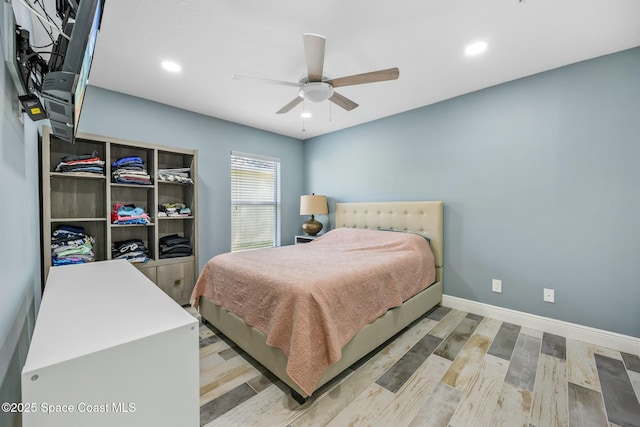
255, 201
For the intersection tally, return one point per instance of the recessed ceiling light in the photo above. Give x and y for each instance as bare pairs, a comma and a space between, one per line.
305, 115
171, 66
476, 48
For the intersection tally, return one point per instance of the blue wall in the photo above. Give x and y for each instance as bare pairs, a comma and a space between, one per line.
20, 253
540, 178
121, 116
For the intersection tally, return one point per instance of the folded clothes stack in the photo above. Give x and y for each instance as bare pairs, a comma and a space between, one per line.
133, 250
181, 175
130, 170
70, 245
129, 214
174, 246
173, 209
85, 163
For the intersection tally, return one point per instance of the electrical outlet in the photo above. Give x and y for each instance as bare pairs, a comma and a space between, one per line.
496, 285
549, 295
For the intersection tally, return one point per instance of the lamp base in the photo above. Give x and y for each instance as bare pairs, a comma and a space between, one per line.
311, 226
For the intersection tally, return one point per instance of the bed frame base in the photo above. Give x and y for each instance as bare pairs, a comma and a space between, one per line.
368, 339
298, 397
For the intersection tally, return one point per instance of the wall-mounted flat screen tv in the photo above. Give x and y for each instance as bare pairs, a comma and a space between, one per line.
63, 89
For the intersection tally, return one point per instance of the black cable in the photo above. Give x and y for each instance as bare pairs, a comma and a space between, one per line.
43, 8
34, 83
47, 28
50, 52
43, 46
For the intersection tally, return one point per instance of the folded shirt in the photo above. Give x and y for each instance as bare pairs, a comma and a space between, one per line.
173, 209
124, 246
81, 163
120, 180
68, 261
129, 221
129, 214
132, 250
91, 169
76, 157
130, 210
173, 240
57, 248
132, 160
177, 249
174, 246
80, 250
170, 177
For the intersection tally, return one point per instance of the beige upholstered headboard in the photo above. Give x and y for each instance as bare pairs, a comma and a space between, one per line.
424, 218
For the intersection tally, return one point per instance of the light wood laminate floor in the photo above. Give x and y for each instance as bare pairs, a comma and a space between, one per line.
449, 368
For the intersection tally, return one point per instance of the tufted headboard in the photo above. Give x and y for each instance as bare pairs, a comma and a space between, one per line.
424, 218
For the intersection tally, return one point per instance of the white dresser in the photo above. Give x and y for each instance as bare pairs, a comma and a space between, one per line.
110, 348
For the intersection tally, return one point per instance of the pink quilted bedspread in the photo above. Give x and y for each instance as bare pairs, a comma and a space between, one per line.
311, 299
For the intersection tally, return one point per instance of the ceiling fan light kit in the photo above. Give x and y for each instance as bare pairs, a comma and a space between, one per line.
316, 91
314, 88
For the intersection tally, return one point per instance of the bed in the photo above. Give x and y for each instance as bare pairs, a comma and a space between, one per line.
411, 222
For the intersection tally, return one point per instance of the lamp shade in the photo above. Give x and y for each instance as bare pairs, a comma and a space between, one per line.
313, 205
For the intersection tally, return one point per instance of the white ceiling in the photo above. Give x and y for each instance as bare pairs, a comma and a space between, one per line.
425, 39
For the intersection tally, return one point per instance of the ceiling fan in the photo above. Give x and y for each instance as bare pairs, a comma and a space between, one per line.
316, 87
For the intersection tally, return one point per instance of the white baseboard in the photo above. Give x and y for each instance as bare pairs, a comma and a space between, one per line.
600, 337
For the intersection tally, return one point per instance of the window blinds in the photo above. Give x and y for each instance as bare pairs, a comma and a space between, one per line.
255, 201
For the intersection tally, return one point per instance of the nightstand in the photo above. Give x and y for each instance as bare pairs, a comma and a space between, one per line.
304, 239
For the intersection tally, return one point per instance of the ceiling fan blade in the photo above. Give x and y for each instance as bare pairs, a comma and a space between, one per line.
343, 101
371, 77
268, 81
297, 100
314, 52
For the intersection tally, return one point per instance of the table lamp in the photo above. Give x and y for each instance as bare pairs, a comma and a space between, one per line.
313, 205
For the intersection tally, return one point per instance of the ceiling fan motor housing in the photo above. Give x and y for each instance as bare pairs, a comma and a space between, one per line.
316, 91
